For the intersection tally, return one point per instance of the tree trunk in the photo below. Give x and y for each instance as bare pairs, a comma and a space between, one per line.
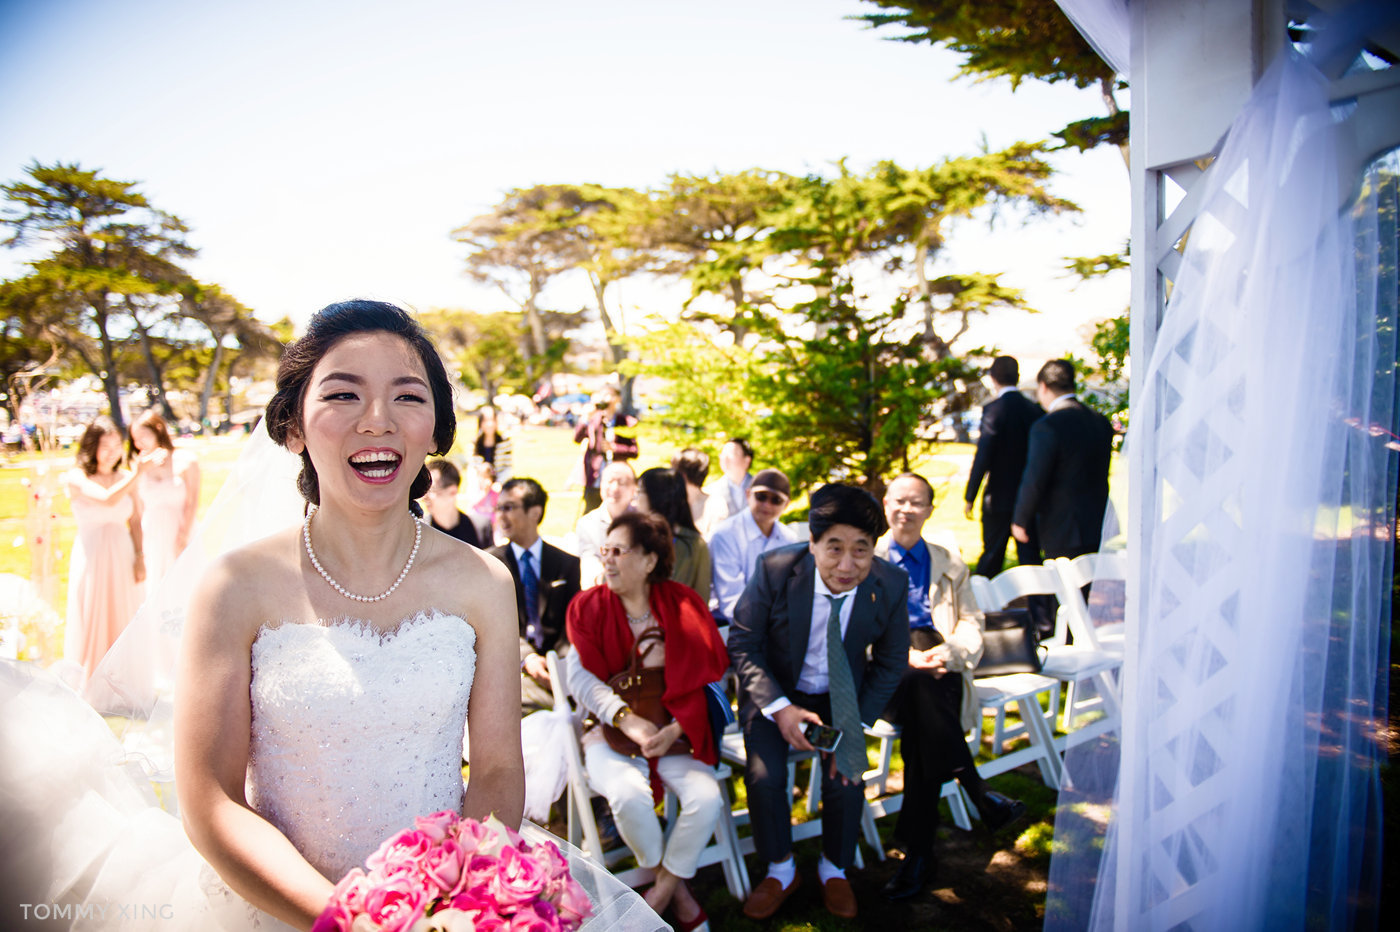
152, 367
208, 390
108, 374
1106, 89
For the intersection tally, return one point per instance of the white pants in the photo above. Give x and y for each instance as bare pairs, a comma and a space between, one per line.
625, 783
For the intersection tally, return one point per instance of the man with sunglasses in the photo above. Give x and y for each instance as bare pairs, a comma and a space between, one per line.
546, 580
741, 539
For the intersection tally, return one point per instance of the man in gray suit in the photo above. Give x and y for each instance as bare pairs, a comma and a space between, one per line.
801, 600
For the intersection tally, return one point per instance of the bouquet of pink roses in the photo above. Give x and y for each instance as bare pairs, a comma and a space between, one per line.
449, 874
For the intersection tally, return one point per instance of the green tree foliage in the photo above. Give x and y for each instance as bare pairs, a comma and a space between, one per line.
114, 257
485, 349
816, 355
1015, 40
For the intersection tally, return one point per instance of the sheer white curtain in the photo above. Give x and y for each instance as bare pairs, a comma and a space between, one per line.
1243, 791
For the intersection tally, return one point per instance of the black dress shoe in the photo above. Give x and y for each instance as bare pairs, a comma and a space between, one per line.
999, 811
915, 871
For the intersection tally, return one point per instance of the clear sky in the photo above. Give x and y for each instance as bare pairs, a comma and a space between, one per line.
322, 150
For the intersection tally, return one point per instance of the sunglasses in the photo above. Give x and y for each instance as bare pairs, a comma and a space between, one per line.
606, 552
770, 498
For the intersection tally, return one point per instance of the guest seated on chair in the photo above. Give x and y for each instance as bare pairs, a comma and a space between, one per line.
546, 580
936, 702
662, 492
640, 615
821, 635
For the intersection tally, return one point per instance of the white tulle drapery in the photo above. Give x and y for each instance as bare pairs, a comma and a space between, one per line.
1243, 791
136, 680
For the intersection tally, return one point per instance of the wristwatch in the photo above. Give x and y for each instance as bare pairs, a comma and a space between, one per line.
620, 712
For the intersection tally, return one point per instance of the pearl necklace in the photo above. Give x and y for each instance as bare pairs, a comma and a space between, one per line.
310, 552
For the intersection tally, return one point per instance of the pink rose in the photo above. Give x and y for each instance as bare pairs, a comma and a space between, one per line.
492, 922
480, 871
519, 879
473, 902
536, 917
571, 902
395, 904
438, 826
352, 889
550, 859
444, 864
401, 853
474, 837
334, 918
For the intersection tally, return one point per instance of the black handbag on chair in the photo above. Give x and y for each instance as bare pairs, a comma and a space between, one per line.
1010, 644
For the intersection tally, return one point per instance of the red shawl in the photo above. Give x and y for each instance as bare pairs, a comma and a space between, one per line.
695, 653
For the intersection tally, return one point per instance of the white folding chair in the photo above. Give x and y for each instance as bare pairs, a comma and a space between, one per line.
583, 828
882, 805
1079, 572
1089, 658
1024, 689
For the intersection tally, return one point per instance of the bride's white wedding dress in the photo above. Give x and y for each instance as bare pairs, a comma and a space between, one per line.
354, 733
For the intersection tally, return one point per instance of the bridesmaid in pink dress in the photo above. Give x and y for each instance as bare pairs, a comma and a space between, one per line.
106, 570
169, 490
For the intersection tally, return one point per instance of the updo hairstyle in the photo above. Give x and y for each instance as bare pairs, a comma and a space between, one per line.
327, 327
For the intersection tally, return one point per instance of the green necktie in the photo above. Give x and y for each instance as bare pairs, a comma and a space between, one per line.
845, 711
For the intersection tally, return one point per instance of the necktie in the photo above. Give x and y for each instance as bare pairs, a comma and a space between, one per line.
530, 581
845, 712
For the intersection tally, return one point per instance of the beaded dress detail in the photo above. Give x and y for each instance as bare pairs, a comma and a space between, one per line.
355, 732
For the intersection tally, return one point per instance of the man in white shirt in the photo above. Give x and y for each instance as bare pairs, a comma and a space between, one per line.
618, 488
744, 537
729, 493
546, 579
792, 671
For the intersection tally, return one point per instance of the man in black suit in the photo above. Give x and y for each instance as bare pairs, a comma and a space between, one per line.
1064, 489
798, 598
546, 579
1001, 458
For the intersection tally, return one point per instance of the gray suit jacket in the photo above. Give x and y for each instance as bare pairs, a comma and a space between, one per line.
773, 620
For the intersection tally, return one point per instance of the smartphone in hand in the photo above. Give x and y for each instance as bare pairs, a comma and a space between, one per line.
822, 737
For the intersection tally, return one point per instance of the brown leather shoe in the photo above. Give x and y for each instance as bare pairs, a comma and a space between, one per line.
768, 896
838, 898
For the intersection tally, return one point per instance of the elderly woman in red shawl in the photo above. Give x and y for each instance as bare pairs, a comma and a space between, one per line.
611, 627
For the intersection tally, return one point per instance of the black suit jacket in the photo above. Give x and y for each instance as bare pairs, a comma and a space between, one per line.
1064, 489
773, 620
559, 583
1001, 450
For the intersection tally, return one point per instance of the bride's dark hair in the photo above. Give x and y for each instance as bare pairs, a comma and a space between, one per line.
327, 327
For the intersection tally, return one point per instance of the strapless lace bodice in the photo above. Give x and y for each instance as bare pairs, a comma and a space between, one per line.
355, 732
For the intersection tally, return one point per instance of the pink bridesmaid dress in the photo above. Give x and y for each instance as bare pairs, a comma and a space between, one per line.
162, 507
103, 594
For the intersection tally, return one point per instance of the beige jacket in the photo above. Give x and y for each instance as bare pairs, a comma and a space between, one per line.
955, 615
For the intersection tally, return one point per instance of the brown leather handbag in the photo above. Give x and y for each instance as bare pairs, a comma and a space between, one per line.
642, 688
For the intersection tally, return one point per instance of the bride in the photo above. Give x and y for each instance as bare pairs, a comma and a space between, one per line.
291, 636
325, 672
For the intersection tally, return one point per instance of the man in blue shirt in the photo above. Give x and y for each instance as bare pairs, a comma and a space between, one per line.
936, 702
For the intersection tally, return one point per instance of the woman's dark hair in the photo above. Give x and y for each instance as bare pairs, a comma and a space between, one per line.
666, 497
653, 535
152, 420
327, 327
92, 436
692, 464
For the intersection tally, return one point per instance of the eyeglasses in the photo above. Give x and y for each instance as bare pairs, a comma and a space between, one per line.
505, 508
606, 552
770, 498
